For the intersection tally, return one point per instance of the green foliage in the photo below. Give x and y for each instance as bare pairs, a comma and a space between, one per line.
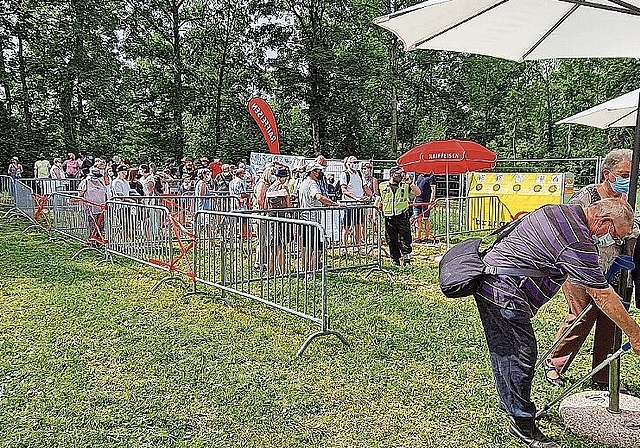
160, 79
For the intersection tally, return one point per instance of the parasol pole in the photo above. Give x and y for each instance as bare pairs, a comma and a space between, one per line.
447, 200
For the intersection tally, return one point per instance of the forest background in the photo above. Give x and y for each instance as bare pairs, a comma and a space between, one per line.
160, 79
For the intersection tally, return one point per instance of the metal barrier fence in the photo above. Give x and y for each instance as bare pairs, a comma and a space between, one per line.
6, 191
140, 232
183, 208
291, 276
467, 215
353, 231
47, 186
23, 200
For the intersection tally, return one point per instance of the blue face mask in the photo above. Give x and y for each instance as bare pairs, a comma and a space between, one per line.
620, 185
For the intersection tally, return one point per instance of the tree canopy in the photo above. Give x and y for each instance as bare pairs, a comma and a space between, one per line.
162, 79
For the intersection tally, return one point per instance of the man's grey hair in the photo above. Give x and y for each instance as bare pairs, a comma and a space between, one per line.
615, 208
615, 157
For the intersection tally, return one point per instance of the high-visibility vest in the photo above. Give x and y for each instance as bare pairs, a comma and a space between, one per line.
394, 203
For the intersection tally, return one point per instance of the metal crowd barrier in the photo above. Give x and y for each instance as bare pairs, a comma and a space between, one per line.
183, 208
6, 195
140, 232
284, 267
23, 200
468, 215
80, 220
345, 248
48, 186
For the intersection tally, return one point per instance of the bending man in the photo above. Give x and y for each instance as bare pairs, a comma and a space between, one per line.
558, 239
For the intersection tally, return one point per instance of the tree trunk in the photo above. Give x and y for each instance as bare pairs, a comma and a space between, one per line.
178, 129
22, 68
5, 83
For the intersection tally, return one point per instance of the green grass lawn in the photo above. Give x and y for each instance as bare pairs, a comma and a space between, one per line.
89, 357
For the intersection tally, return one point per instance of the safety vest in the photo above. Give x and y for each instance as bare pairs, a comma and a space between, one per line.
394, 203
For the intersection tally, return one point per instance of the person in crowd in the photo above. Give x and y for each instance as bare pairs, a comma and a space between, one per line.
297, 176
277, 197
372, 185
186, 187
239, 195
422, 206
204, 162
120, 186
616, 169
41, 167
222, 180
563, 241
202, 190
251, 175
353, 190
311, 197
94, 191
238, 188
331, 186
56, 172
113, 166
147, 180
85, 162
15, 170
216, 167
101, 164
394, 202
264, 182
71, 166
322, 180
189, 168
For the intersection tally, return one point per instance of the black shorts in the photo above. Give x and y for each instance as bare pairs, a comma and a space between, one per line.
311, 238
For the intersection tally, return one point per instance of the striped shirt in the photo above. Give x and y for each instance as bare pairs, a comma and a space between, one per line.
554, 238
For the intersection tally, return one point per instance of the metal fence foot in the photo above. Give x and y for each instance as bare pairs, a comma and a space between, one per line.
318, 334
166, 279
188, 294
384, 271
81, 250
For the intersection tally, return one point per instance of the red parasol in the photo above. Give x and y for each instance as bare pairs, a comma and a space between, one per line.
447, 157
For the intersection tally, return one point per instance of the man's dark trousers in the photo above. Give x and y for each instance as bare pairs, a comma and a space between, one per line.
398, 235
513, 351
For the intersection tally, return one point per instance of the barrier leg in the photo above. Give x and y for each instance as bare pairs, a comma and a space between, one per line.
317, 334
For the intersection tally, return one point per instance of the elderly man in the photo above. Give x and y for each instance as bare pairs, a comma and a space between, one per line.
311, 196
562, 241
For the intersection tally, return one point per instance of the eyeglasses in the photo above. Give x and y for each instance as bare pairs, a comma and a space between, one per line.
617, 240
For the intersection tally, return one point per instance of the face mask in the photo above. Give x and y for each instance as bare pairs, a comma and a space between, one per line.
605, 240
620, 185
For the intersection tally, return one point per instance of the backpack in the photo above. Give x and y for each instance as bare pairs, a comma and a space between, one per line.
462, 269
274, 200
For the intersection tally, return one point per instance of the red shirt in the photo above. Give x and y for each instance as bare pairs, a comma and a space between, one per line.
216, 168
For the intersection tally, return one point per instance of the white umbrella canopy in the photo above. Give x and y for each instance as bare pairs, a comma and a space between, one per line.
618, 112
521, 29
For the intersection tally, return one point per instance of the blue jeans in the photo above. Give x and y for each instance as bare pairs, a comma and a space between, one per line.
513, 350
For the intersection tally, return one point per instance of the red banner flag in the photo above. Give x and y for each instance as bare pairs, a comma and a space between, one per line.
262, 114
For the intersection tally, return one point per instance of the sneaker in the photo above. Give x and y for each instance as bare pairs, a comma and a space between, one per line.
526, 430
396, 262
406, 260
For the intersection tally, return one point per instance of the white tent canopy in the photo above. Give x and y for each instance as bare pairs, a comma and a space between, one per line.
521, 29
616, 113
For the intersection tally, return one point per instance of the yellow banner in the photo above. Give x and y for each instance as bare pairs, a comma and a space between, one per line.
519, 192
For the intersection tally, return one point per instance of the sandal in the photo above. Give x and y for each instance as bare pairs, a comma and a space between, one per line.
554, 381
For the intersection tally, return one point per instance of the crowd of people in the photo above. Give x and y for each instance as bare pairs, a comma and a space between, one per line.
103, 178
